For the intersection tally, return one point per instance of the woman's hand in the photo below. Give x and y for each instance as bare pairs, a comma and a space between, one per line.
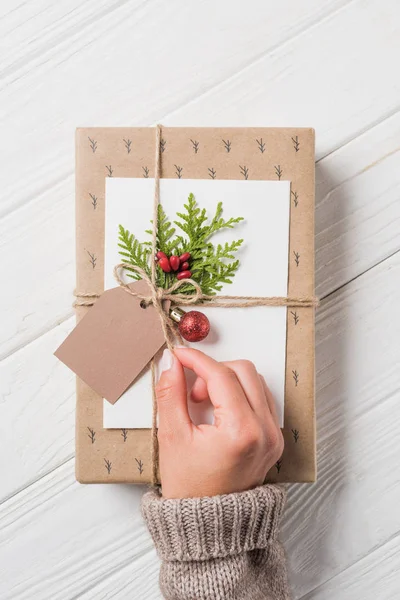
236, 452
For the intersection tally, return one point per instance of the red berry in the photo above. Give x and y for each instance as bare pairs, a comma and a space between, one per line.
184, 275
164, 264
184, 266
185, 256
160, 255
174, 262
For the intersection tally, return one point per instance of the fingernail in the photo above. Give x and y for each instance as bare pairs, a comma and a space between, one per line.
180, 346
166, 361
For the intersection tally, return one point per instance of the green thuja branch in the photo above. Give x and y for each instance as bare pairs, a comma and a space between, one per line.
165, 231
211, 265
213, 269
133, 252
166, 243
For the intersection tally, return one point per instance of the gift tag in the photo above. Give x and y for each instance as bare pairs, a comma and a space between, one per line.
114, 342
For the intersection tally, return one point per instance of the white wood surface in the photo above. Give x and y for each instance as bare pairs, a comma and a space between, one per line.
329, 64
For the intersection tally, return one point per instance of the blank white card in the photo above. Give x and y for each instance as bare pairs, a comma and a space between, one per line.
258, 333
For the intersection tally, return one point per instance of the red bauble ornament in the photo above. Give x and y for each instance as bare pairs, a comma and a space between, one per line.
194, 326
184, 266
160, 255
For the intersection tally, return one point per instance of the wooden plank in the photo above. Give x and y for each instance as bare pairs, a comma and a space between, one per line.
331, 77
117, 63
31, 30
58, 538
38, 262
135, 580
37, 412
357, 201
352, 508
357, 209
95, 530
375, 576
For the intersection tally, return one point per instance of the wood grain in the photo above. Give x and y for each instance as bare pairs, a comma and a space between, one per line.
37, 412
303, 81
374, 576
357, 207
134, 62
79, 535
113, 57
358, 386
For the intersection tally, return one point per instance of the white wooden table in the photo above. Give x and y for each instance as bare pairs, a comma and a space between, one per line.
330, 64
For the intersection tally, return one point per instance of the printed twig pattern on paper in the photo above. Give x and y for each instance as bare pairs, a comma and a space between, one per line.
94, 200
244, 171
92, 259
93, 144
128, 144
139, 463
278, 168
178, 171
195, 145
227, 145
261, 145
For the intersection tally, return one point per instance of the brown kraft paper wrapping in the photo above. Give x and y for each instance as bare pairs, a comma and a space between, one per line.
124, 455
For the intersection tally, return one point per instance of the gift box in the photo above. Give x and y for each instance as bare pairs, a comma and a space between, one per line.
124, 454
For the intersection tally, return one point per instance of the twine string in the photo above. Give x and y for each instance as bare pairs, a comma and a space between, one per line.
157, 296
157, 302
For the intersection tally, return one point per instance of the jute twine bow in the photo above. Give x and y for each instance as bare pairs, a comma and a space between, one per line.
157, 296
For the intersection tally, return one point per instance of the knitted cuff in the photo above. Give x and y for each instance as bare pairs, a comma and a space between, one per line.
213, 527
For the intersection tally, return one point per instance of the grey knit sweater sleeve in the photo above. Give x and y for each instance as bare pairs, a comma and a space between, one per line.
219, 548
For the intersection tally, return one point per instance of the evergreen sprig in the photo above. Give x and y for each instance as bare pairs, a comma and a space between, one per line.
211, 265
133, 252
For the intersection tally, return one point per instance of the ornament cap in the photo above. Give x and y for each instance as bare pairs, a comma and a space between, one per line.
176, 314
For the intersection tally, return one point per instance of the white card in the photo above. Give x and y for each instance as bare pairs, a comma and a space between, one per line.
258, 333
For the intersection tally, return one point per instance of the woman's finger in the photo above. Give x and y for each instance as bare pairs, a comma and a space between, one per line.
199, 391
257, 392
252, 386
171, 394
224, 390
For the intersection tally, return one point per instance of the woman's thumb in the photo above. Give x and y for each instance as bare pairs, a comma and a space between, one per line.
171, 394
